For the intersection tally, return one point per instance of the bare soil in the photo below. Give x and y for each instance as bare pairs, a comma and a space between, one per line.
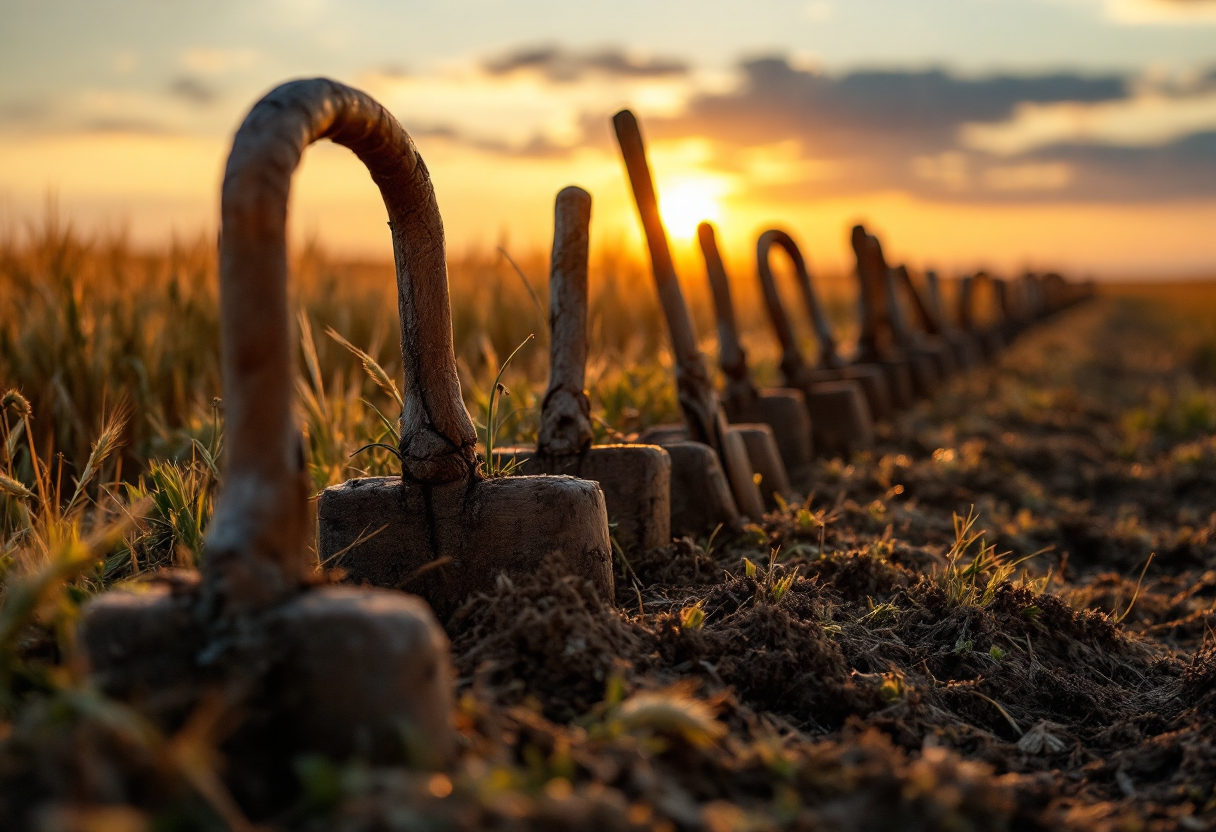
835, 667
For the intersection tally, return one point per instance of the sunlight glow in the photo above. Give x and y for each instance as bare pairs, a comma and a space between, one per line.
684, 203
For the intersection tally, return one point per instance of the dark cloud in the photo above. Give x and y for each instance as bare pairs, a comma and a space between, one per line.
901, 130
24, 111
1182, 168
42, 117
537, 148
894, 130
192, 91
917, 111
561, 66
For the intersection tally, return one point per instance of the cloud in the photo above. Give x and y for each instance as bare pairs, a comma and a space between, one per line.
192, 91
1180, 169
780, 131
934, 134
919, 110
539, 101
561, 66
1146, 119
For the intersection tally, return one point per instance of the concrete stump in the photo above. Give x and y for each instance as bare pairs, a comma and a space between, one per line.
898, 373
635, 480
766, 461
747, 439
700, 495
445, 542
391, 696
841, 418
142, 645
784, 410
925, 379
847, 419
873, 382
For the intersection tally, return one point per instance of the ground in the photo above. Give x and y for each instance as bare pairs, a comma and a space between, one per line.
996, 619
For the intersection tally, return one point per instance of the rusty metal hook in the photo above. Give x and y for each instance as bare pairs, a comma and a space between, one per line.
791, 359
255, 550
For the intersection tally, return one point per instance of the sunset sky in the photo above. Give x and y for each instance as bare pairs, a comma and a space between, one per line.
1078, 134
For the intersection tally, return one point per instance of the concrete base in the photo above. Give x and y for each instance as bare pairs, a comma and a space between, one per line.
766, 461
873, 383
899, 381
991, 343
350, 672
750, 506
925, 379
742, 477
967, 354
663, 435
635, 479
141, 645
944, 361
701, 499
367, 675
449, 541
841, 417
784, 410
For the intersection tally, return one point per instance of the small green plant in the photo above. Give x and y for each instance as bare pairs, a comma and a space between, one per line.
974, 581
780, 587
996, 653
692, 618
772, 583
880, 613
893, 687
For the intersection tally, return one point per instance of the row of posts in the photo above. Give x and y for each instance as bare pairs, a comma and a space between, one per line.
361, 669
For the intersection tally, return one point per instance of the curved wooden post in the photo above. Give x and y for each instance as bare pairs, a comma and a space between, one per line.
792, 362
255, 549
828, 356
565, 422
872, 294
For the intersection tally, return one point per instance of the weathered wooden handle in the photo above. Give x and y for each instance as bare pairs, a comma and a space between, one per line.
731, 355
966, 295
936, 304
565, 422
900, 332
1004, 303
698, 398
791, 359
924, 311
871, 295
257, 540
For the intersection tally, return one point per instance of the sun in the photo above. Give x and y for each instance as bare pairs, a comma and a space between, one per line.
684, 203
